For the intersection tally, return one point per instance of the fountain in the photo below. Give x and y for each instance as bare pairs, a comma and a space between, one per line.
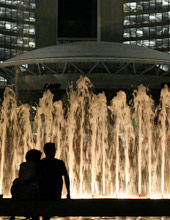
119, 150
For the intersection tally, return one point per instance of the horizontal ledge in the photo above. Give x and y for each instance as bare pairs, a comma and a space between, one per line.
85, 207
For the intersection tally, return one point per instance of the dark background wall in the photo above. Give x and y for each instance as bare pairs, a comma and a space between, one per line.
46, 22
77, 19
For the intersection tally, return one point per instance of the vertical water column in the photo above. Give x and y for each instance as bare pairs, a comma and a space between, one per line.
84, 101
9, 135
43, 120
58, 129
99, 134
164, 132
125, 139
144, 113
25, 135
70, 132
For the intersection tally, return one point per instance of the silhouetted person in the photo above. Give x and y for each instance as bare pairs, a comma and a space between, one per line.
51, 172
26, 186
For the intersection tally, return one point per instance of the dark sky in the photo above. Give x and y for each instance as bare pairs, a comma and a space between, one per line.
77, 18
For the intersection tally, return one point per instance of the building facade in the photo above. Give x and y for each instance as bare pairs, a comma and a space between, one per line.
17, 27
147, 23
63, 21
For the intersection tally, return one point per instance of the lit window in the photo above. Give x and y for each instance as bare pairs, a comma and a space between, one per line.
32, 43
8, 26
139, 32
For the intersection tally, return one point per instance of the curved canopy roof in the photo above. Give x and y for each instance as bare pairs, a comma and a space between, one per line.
90, 52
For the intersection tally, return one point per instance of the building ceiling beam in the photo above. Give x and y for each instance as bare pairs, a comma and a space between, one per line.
146, 70
106, 68
49, 68
77, 68
92, 68
122, 68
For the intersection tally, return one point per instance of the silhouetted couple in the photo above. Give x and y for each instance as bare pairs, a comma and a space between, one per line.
41, 178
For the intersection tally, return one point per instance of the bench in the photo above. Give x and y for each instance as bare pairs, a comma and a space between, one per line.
85, 207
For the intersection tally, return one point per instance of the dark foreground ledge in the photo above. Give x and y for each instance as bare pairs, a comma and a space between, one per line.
86, 207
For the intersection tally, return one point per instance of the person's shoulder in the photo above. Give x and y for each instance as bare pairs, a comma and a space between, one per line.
60, 162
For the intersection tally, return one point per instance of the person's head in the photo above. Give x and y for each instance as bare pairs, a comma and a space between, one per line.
49, 150
33, 155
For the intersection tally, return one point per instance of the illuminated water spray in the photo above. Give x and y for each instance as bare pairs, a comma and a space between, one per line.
116, 150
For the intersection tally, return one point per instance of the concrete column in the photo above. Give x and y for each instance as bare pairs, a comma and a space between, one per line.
111, 20
46, 22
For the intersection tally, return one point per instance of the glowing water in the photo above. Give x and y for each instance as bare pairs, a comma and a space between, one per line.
120, 150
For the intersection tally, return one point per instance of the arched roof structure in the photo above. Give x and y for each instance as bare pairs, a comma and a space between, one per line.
86, 58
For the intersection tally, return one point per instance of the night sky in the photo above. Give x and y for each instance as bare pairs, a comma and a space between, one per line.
77, 18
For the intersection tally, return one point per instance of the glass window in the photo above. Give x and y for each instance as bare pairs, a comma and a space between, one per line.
1, 39
146, 5
126, 20
158, 30
133, 42
13, 40
139, 42
2, 24
152, 31
19, 41
7, 39
15, 2
126, 42
32, 29
165, 29
158, 4
26, 3
158, 17
146, 43
165, 42
32, 16
32, 43
126, 33
13, 52
20, 14
7, 53
8, 2
165, 16
2, 52
26, 16
14, 14
146, 18
8, 26
3, 81
2, 1
146, 31
152, 43
2, 12
139, 32
139, 19
139, 6
133, 32
159, 43
26, 42
165, 4
8, 12
152, 4
25, 28
152, 18
132, 19
14, 27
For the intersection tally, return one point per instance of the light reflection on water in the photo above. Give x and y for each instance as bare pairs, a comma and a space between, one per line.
98, 218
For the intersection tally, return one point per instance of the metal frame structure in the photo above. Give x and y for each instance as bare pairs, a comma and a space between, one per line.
60, 61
